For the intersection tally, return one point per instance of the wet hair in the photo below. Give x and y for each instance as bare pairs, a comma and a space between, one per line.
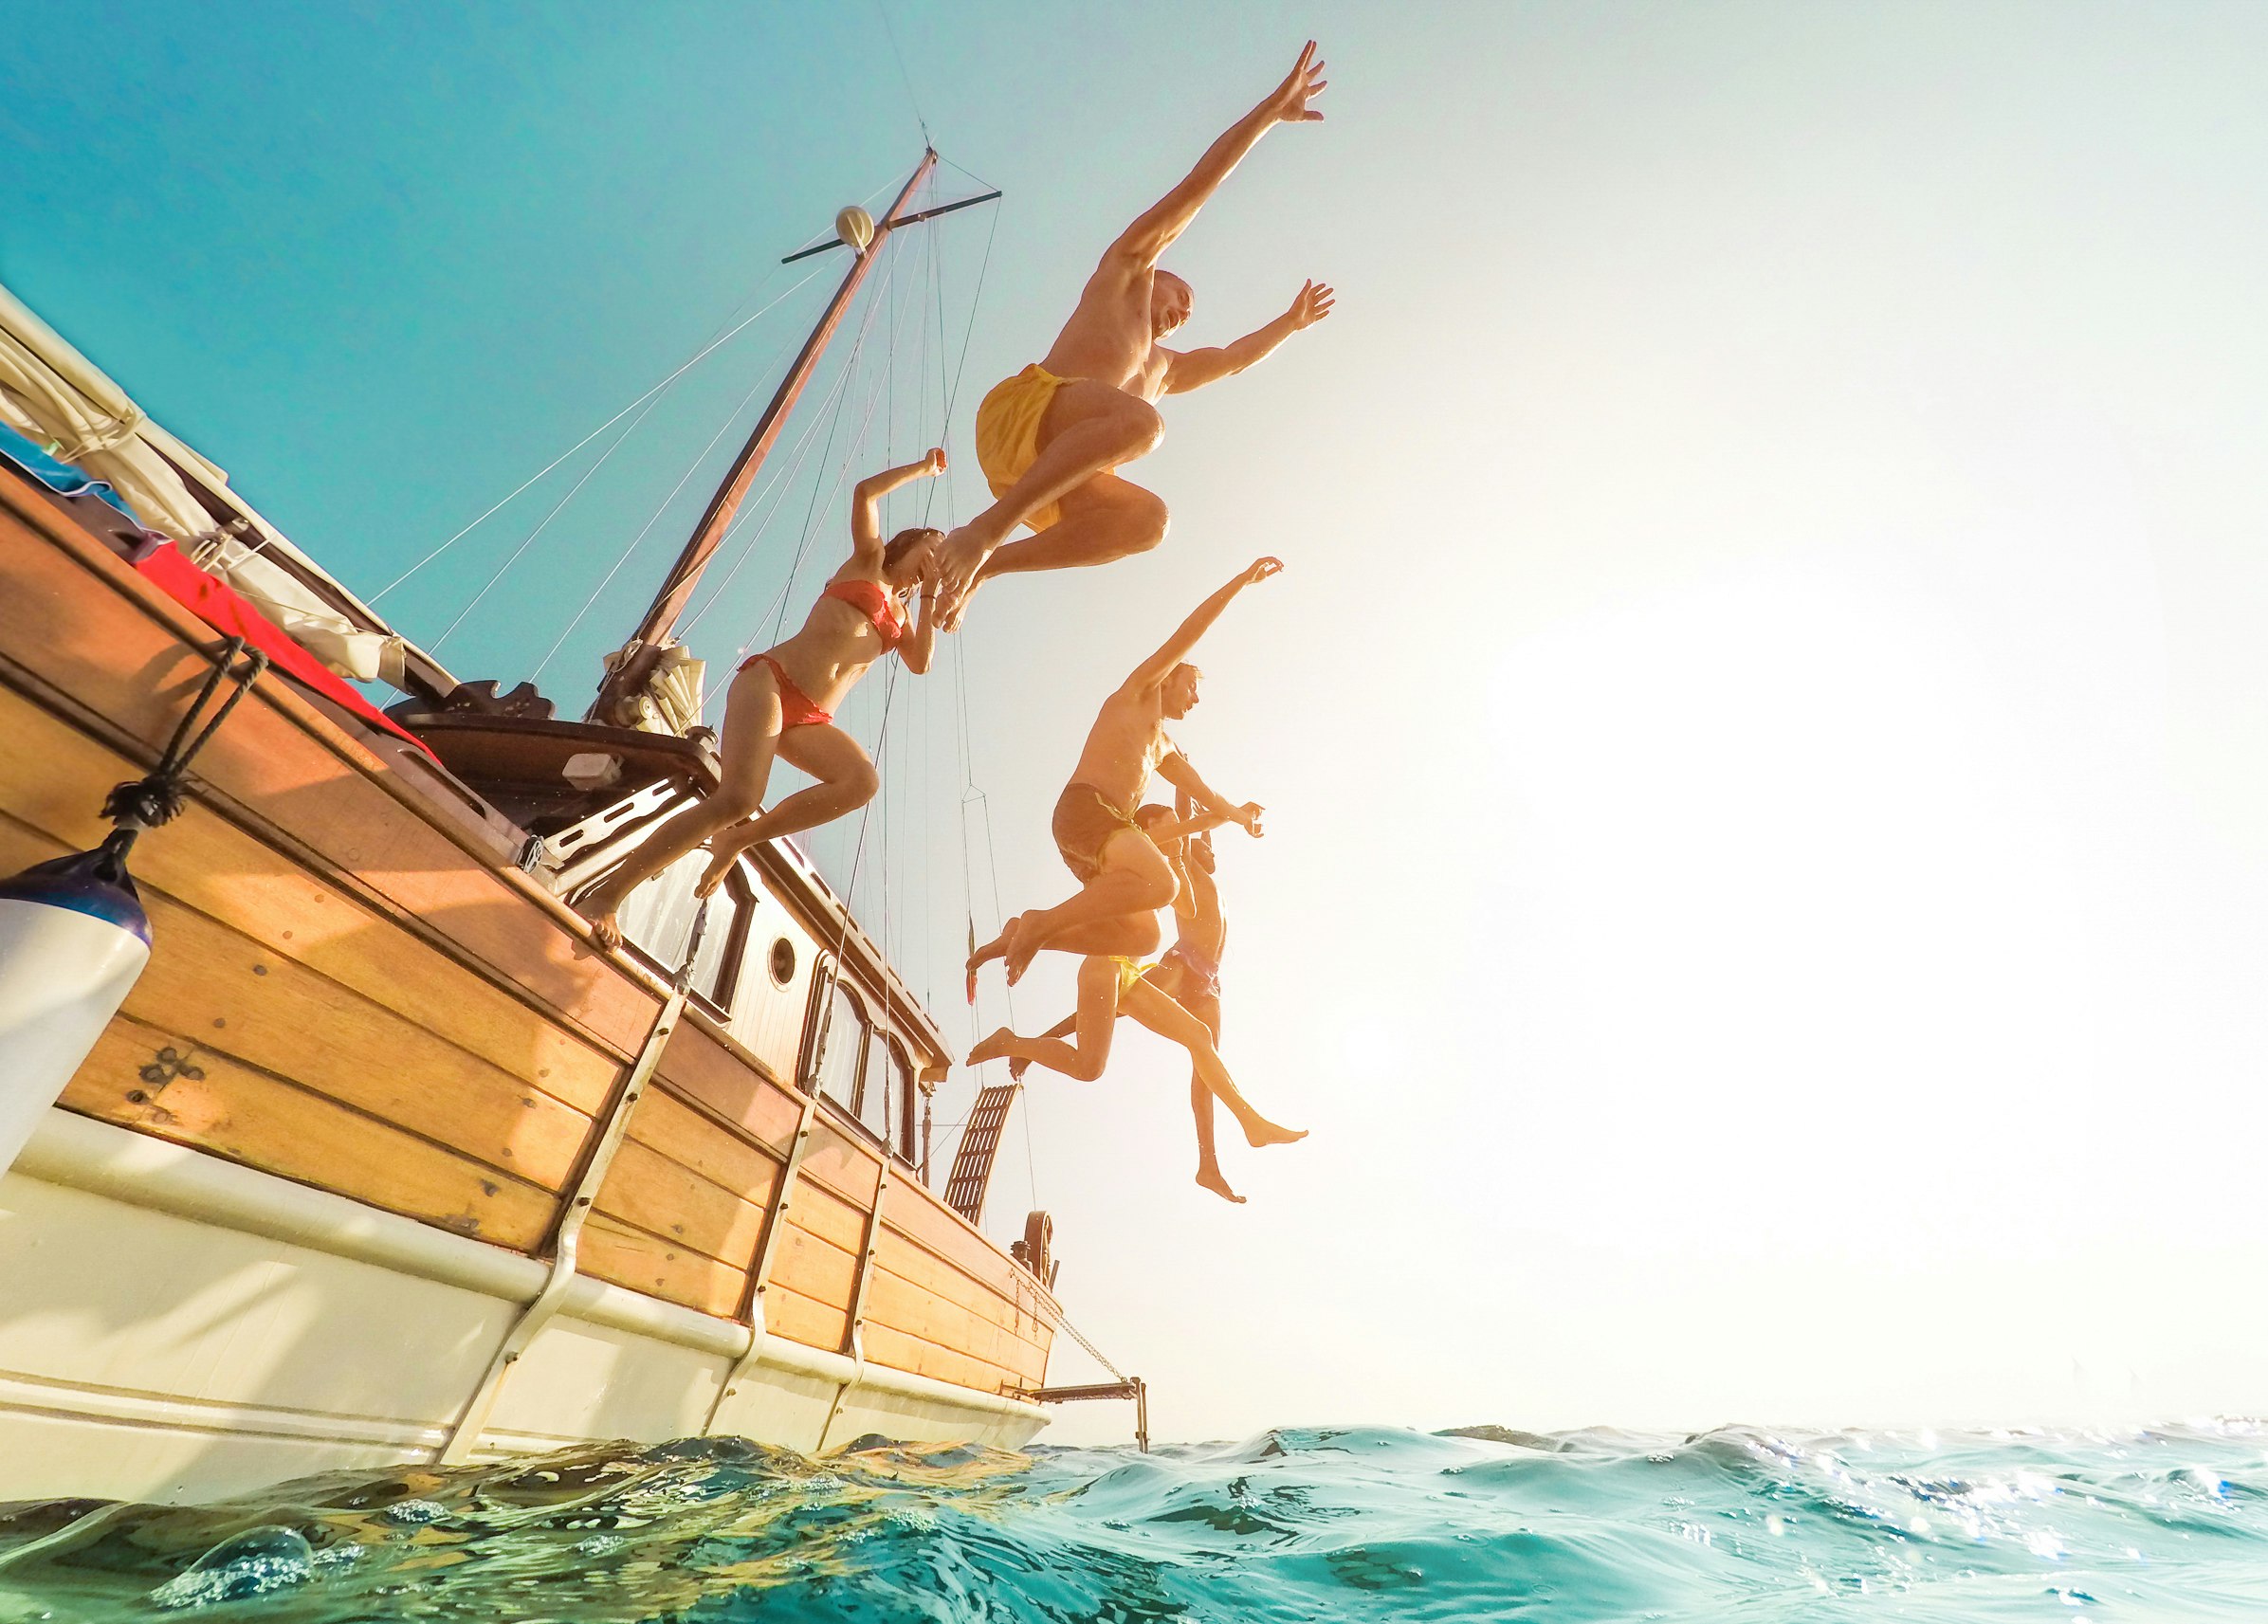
905, 543
1185, 665
1169, 276
1151, 814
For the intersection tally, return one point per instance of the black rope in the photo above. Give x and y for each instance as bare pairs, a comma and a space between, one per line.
145, 803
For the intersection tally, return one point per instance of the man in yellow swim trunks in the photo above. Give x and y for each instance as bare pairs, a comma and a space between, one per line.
1049, 437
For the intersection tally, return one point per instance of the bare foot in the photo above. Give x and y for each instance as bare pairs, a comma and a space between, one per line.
1017, 1066
721, 862
1260, 1131
1023, 947
992, 1048
1209, 1176
965, 551
996, 948
606, 930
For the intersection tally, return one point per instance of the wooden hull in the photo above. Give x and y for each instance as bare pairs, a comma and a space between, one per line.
355, 999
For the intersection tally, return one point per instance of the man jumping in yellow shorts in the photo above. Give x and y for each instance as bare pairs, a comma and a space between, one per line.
1049, 437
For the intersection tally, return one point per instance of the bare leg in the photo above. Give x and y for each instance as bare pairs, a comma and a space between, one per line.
1089, 426
996, 948
1084, 1059
1175, 1024
1107, 517
1063, 1028
1134, 880
846, 781
1104, 519
1206, 1008
750, 739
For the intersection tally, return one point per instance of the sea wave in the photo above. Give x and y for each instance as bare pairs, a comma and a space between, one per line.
1355, 1523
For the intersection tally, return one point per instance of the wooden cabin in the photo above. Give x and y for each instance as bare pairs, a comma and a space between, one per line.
383, 1161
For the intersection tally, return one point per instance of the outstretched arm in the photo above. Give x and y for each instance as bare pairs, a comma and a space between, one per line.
1176, 771
1177, 648
1194, 368
1152, 234
865, 501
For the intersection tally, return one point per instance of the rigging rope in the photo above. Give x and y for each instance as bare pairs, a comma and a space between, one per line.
697, 358
1063, 1323
490, 584
762, 377
891, 34
839, 395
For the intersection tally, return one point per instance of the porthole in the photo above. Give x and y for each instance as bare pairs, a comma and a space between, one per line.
783, 961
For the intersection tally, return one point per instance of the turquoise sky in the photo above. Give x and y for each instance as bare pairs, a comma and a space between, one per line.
1762, 722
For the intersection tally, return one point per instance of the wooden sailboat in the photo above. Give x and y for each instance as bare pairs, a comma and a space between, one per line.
382, 1160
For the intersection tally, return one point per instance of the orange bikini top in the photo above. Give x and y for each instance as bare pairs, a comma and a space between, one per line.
873, 600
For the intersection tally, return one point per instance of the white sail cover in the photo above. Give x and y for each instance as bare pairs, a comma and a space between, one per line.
52, 393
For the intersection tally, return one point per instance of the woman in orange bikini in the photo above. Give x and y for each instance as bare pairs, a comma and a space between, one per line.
781, 704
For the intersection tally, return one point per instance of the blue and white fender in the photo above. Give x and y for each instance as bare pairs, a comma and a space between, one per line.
73, 940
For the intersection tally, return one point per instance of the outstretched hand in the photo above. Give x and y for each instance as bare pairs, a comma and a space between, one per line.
1289, 104
1312, 305
1261, 569
1247, 817
933, 464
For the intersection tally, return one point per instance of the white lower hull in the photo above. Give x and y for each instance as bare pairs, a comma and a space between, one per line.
176, 1328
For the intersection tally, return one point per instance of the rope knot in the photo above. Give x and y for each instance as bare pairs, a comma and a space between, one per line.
144, 803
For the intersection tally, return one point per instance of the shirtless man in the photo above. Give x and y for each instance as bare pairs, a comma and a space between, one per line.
1188, 977
1048, 436
1124, 879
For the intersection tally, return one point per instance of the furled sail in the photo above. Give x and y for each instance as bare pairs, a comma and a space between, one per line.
54, 394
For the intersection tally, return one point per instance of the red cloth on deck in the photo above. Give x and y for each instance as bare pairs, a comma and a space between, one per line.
219, 606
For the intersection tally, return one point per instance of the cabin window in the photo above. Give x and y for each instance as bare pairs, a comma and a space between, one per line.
877, 1097
783, 961
658, 917
658, 921
843, 1032
902, 1095
713, 966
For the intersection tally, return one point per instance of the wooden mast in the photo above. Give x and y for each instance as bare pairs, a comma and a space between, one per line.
628, 677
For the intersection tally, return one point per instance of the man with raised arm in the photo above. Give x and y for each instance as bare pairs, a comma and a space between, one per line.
1123, 878
1049, 437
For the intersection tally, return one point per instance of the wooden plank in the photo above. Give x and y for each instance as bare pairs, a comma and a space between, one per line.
894, 1302
649, 1191
692, 1139
615, 1251
902, 1352
79, 621
222, 991
920, 1216
921, 1267
229, 994
238, 1112
46, 779
819, 1269
788, 1313
699, 1068
842, 1164
824, 1213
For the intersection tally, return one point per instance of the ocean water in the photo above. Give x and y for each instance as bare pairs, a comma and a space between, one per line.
1358, 1524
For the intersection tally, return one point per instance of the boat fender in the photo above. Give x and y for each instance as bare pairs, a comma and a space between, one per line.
856, 227
73, 941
